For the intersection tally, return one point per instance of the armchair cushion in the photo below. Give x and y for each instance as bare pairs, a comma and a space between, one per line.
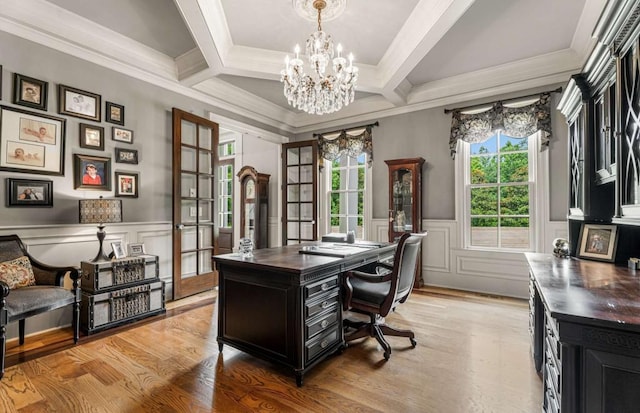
17, 273
36, 299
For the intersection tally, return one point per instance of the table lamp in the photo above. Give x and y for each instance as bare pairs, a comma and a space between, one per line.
100, 211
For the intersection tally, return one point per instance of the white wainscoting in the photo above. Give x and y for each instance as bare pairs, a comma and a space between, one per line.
446, 264
71, 244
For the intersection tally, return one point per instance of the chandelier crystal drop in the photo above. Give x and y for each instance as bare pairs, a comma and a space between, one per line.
321, 91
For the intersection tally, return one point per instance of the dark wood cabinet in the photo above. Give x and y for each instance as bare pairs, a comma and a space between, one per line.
405, 196
254, 206
602, 105
405, 201
586, 326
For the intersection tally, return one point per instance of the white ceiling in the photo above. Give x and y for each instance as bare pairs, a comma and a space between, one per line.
412, 54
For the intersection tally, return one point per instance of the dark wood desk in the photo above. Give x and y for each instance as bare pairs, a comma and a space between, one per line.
585, 326
285, 306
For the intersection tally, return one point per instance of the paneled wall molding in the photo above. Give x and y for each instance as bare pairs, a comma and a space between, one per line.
446, 265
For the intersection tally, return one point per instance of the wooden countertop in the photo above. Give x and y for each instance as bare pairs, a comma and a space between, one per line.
594, 292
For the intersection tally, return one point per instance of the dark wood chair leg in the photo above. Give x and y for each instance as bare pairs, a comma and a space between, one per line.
380, 337
76, 322
390, 331
21, 331
3, 348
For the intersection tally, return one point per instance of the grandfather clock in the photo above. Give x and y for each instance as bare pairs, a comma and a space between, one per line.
405, 201
254, 206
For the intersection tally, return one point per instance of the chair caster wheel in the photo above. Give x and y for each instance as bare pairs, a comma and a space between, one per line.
414, 343
387, 356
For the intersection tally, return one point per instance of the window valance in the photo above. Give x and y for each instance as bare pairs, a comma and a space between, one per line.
353, 142
517, 118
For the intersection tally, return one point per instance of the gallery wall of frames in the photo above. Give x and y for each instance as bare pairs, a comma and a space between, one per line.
32, 140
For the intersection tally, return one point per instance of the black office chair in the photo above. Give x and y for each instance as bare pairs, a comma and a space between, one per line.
378, 294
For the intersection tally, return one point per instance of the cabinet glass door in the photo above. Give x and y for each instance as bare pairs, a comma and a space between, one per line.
402, 210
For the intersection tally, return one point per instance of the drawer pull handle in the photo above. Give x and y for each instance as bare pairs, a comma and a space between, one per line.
324, 323
325, 304
324, 286
324, 343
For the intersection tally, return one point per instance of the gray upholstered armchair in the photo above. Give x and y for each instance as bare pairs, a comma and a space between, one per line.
47, 294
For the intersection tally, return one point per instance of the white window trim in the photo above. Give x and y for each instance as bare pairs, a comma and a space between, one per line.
324, 182
538, 169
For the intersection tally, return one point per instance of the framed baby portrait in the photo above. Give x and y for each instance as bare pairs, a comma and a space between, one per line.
30, 92
31, 142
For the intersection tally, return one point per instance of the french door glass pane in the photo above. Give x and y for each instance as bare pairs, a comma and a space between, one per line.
188, 211
293, 193
189, 262
206, 138
206, 237
188, 186
293, 174
188, 159
293, 156
189, 241
188, 133
306, 155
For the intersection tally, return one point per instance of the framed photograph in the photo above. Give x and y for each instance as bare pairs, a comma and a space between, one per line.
91, 137
127, 184
135, 249
91, 172
29, 193
126, 156
30, 92
598, 242
114, 113
122, 135
31, 142
118, 250
78, 103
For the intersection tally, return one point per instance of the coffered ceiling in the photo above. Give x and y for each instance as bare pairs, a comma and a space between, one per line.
412, 54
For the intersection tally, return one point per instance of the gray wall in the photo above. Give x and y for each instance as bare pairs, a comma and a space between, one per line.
147, 113
425, 134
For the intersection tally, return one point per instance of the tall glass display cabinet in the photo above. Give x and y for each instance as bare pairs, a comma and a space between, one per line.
405, 200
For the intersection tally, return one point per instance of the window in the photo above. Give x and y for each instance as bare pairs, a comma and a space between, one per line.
227, 149
346, 183
225, 194
500, 188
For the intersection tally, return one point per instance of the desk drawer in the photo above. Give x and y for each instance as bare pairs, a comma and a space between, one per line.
318, 288
324, 303
320, 324
316, 347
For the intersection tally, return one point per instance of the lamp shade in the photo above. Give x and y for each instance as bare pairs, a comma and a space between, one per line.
100, 211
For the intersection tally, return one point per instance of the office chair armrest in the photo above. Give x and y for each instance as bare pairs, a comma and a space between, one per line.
373, 278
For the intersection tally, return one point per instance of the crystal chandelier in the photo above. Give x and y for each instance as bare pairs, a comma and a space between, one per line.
320, 91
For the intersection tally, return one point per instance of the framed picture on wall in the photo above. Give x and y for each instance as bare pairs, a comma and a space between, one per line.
29, 193
31, 142
78, 103
91, 172
30, 92
122, 135
114, 113
598, 242
126, 156
91, 137
126, 184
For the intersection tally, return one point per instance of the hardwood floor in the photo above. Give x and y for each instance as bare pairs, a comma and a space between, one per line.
472, 356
